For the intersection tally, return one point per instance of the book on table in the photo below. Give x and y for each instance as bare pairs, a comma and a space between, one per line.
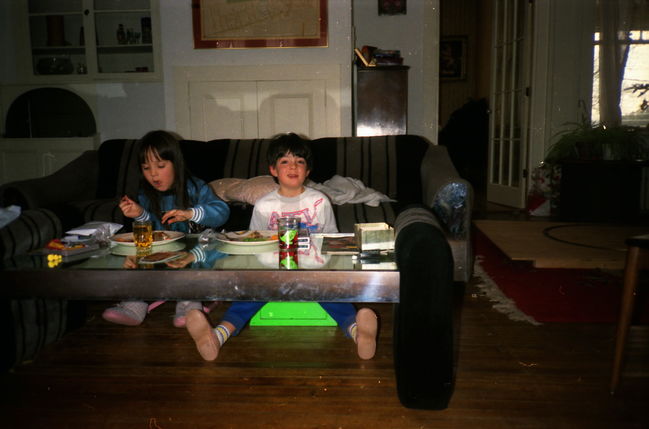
339, 245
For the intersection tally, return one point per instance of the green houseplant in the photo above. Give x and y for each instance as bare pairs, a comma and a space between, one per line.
597, 142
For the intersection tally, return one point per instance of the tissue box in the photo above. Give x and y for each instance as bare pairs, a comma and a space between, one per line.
374, 236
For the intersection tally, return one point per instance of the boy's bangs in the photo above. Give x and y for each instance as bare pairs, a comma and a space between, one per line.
296, 149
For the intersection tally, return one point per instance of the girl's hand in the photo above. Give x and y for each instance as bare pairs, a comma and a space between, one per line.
130, 208
130, 262
186, 259
176, 215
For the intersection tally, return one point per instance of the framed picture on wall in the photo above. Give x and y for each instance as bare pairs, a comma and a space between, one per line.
220, 24
453, 58
392, 7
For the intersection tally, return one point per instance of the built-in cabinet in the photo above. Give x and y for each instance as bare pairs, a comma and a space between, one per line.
88, 40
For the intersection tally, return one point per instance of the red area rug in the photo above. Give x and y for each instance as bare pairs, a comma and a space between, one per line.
548, 294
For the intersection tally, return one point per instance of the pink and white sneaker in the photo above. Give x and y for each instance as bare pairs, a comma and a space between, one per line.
129, 313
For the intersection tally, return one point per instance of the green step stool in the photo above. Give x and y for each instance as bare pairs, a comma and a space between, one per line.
292, 314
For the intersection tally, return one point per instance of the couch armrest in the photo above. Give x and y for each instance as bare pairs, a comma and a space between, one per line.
33, 229
77, 180
444, 191
423, 318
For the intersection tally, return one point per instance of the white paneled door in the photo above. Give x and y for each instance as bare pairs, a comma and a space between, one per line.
244, 102
297, 106
509, 119
223, 110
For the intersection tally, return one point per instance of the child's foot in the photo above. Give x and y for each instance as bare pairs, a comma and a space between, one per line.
129, 313
182, 308
366, 331
203, 335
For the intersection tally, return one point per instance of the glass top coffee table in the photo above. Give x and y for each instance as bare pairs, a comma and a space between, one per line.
423, 333
231, 272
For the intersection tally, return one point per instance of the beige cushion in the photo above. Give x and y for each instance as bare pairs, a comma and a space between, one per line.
243, 190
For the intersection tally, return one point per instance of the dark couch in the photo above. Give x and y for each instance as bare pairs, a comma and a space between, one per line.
431, 217
407, 168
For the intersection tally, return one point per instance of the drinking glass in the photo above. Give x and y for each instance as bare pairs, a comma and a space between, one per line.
287, 231
143, 237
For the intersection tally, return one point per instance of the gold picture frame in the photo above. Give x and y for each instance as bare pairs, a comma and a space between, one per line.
227, 24
453, 58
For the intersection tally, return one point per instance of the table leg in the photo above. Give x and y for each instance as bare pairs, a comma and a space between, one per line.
626, 311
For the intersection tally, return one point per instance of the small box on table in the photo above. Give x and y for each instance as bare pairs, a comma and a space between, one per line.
374, 236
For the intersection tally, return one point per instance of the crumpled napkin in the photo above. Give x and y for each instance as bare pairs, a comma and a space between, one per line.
100, 231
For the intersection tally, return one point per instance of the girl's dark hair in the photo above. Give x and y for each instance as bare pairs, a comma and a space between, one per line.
283, 144
164, 145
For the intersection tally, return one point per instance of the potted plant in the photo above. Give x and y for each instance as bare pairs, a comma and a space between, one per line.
597, 142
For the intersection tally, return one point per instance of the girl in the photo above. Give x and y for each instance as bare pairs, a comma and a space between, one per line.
169, 197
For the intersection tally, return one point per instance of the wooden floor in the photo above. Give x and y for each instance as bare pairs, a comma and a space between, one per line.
509, 375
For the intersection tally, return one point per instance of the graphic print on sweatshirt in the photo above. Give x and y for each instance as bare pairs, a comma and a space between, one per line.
308, 216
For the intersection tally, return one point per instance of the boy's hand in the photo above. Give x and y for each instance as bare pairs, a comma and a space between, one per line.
130, 208
176, 215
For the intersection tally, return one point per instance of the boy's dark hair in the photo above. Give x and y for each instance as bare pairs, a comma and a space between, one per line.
166, 146
283, 144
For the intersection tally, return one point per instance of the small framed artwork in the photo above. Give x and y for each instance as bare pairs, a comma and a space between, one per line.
392, 7
452, 58
236, 24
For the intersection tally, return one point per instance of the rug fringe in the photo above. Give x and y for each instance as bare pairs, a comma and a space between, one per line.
502, 304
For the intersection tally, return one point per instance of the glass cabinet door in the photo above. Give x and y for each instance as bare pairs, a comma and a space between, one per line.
57, 37
124, 37
85, 40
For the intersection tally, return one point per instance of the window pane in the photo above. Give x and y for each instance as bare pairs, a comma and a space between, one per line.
634, 100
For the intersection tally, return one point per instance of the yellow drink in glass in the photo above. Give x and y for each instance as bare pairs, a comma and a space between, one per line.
143, 237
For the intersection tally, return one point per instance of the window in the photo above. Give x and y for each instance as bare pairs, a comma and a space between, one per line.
634, 98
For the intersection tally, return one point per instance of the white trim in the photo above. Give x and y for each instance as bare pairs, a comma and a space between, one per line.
541, 84
430, 61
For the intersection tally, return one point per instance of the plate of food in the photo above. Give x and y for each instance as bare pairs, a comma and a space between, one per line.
173, 246
159, 237
248, 238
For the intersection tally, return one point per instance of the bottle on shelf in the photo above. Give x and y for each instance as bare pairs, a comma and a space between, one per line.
146, 30
121, 34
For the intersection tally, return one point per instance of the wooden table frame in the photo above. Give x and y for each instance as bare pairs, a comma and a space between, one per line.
204, 284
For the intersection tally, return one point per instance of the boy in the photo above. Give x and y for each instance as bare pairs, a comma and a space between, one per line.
290, 162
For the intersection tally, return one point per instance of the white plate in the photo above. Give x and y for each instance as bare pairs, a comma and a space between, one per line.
173, 236
238, 238
174, 246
